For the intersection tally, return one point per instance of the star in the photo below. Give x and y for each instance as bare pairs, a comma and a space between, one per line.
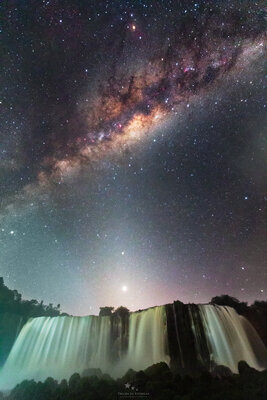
125, 183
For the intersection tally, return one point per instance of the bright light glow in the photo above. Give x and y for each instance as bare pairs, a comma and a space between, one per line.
124, 288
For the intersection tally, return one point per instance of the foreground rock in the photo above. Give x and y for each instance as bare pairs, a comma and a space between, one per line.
157, 380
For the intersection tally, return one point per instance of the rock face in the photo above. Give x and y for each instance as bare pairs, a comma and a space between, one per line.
257, 316
14, 313
119, 335
256, 313
187, 343
10, 325
202, 337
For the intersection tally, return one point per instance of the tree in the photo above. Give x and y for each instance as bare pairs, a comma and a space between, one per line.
121, 311
260, 305
106, 311
11, 301
17, 296
226, 300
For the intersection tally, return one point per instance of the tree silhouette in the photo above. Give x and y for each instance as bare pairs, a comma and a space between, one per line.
106, 311
226, 300
121, 311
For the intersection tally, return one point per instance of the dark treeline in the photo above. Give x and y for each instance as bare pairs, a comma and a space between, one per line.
156, 383
256, 313
11, 302
108, 311
240, 306
14, 313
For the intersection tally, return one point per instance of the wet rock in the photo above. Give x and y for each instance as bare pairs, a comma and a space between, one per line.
221, 371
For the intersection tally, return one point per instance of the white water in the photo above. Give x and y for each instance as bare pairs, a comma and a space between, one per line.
60, 346
147, 338
57, 347
232, 338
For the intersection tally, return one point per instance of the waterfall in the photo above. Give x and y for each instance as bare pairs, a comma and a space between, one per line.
57, 347
61, 346
147, 338
147, 341
232, 338
190, 337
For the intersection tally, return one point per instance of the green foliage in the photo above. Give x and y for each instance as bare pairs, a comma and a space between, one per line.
106, 311
109, 311
226, 300
121, 311
14, 312
11, 302
260, 306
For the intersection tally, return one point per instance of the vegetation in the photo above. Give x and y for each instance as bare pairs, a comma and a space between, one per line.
226, 300
11, 302
239, 306
157, 381
259, 305
108, 311
121, 311
14, 312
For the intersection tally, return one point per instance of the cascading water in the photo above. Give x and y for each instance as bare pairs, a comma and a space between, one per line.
147, 338
232, 338
61, 346
57, 347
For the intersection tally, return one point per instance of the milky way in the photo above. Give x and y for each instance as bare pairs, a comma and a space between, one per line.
141, 75
130, 98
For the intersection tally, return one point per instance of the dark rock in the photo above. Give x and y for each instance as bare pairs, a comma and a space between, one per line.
106, 377
188, 347
119, 333
158, 370
245, 369
10, 326
63, 385
257, 316
128, 377
92, 372
140, 377
221, 371
74, 381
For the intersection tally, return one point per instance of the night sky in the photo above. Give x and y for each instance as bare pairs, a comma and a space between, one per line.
133, 152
